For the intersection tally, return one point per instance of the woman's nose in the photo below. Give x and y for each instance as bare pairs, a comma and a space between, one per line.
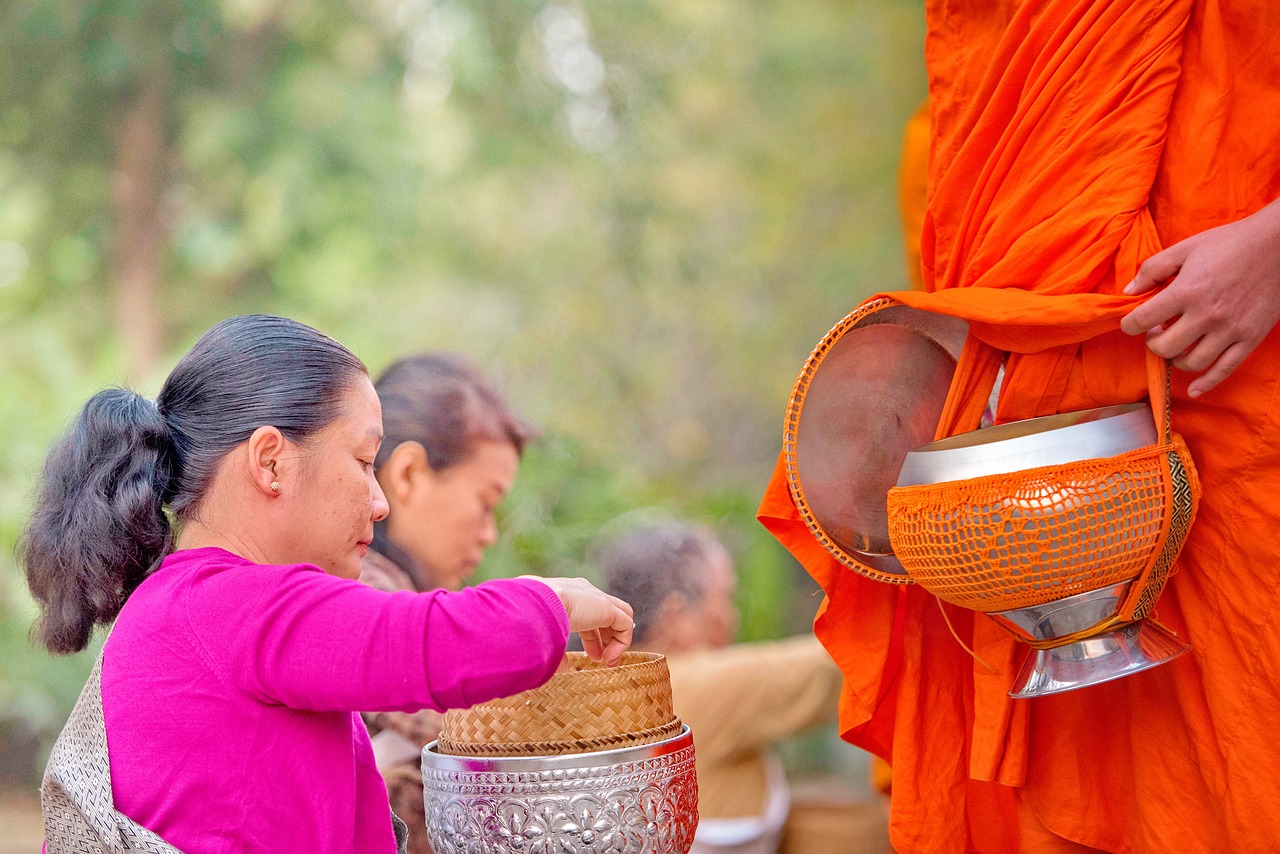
381, 507
489, 535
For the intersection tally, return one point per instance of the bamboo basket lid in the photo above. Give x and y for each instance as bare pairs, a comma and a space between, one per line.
585, 707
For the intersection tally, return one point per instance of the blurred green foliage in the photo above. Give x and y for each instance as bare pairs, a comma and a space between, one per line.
639, 216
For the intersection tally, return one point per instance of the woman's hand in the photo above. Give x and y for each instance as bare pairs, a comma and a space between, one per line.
605, 622
1223, 302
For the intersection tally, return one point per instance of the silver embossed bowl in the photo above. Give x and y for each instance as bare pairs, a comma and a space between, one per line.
635, 800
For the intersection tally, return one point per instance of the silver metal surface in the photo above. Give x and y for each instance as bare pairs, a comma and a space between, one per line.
872, 391
886, 563
1052, 440
1094, 660
637, 800
1063, 617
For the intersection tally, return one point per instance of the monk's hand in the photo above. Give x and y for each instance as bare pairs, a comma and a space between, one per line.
604, 622
1221, 297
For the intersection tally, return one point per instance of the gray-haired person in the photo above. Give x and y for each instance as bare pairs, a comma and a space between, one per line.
739, 698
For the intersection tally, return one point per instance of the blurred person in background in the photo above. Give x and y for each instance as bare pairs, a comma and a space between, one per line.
738, 698
449, 457
221, 529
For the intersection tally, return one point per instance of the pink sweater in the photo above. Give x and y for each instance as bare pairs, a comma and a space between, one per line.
229, 687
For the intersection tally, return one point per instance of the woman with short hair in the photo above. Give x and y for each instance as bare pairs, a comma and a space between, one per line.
449, 458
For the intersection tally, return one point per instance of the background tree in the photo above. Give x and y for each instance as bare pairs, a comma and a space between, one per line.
640, 215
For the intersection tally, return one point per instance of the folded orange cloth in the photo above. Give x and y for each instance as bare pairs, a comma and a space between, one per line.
1071, 140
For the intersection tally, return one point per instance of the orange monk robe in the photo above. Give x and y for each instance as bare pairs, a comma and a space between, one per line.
913, 171
1071, 140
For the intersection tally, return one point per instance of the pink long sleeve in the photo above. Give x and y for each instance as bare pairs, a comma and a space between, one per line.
228, 689
296, 636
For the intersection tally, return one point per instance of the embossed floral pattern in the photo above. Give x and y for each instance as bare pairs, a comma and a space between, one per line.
648, 807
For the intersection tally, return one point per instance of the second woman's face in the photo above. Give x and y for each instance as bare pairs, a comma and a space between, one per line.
447, 518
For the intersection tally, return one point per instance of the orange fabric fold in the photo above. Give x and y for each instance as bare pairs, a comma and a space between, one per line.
1072, 139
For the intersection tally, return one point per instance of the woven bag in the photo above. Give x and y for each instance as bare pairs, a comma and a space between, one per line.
76, 799
585, 707
79, 814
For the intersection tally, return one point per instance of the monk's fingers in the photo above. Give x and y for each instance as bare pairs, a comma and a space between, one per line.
1162, 307
1225, 365
1202, 353
1176, 338
1157, 270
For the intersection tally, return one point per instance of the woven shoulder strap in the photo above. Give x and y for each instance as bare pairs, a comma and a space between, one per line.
79, 813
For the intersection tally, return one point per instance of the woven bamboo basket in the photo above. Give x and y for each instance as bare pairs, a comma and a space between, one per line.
585, 707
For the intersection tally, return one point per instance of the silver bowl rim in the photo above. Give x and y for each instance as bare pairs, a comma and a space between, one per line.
434, 760
1067, 437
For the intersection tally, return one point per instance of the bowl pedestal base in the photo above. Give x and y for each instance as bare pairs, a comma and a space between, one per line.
1091, 660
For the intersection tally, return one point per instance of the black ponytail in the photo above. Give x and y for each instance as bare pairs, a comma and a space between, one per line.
99, 526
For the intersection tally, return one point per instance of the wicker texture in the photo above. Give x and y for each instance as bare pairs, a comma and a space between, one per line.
80, 816
791, 434
585, 707
1016, 540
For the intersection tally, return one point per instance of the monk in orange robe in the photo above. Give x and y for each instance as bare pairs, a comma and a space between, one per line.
1101, 181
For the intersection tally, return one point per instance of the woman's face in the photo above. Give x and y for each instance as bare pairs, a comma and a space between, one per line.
445, 519
683, 625
334, 499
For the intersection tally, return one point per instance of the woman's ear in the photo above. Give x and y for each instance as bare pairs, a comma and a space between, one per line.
266, 449
406, 465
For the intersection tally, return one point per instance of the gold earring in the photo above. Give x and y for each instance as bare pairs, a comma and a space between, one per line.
275, 486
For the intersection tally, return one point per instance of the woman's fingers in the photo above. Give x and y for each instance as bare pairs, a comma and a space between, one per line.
604, 622
608, 643
593, 644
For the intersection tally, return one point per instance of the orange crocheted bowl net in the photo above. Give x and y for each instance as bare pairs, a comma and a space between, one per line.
1015, 540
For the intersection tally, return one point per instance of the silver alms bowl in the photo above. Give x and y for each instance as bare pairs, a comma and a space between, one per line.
1061, 551
636, 800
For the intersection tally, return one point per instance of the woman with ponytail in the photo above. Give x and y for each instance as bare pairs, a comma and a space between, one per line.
220, 530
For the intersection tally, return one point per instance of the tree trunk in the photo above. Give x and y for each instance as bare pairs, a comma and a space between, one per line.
140, 237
